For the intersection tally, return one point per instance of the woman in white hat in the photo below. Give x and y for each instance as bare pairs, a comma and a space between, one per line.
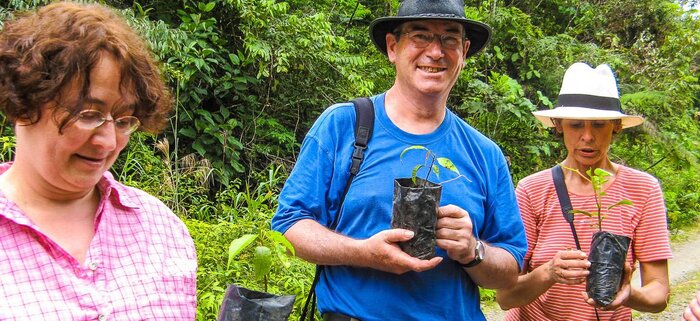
552, 284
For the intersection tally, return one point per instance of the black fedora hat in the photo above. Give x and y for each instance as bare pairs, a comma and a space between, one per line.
478, 33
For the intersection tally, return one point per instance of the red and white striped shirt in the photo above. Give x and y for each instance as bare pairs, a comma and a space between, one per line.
141, 264
548, 232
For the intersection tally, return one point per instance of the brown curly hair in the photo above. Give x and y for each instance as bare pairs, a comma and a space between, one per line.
42, 52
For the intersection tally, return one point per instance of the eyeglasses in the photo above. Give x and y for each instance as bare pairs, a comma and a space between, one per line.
90, 119
422, 39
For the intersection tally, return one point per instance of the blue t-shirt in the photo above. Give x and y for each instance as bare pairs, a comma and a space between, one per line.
316, 185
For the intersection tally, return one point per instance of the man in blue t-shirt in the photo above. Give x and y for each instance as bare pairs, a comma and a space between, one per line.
480, 236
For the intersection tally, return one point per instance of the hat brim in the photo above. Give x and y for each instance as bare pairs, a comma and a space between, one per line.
546, 116
479, 33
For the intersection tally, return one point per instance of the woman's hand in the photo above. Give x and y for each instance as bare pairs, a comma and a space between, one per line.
569, 267
622, 295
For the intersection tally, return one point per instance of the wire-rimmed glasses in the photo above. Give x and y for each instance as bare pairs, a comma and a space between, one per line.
90, 119
422, 39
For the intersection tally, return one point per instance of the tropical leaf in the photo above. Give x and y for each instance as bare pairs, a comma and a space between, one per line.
239, 245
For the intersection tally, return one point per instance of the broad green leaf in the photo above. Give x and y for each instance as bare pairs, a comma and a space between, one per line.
280, 239
514, 57
206, 7
188, 132
199, 148
239, 245
282, 257
262, 261
447, 163
601, 172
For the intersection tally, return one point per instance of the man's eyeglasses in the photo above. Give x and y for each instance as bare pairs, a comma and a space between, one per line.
422, 39
90, 119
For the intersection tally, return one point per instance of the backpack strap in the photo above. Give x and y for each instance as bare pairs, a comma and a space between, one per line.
364, 125
564, 201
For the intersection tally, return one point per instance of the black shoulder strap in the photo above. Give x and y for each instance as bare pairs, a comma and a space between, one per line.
564, 201
364, 124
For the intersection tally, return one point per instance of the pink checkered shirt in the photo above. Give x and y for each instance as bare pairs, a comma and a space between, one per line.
141, 264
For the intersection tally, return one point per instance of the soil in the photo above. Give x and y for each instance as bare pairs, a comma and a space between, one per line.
684, 274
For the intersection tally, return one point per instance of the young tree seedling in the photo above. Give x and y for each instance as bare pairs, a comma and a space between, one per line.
430, 159
597, 177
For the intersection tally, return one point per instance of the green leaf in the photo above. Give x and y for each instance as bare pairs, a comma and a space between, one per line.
206, 7
436, 170
620, 203
514, 57
188, 132
582, 212
414, 173
239, 245
262, 261
279, 238
499, 55
412, 148
282, 257
601, 172
447, 163
199, 148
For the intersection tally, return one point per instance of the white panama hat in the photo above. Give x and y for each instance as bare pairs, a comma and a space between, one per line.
588, 94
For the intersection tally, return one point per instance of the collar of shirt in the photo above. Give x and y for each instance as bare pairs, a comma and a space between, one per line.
108, 187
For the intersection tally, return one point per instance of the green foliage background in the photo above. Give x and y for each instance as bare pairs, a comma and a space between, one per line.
250, 77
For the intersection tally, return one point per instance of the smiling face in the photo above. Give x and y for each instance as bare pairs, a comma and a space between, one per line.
72, 162
431, 70
587, 141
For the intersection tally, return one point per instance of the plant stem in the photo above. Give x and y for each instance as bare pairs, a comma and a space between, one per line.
430, 169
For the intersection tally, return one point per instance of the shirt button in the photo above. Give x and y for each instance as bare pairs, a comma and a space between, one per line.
93, 266
102, 317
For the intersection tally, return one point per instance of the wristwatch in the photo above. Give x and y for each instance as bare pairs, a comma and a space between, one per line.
478, 255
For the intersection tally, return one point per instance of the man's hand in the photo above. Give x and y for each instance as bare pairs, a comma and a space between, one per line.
383, 253
454, 233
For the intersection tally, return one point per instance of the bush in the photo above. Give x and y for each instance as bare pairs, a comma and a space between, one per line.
212, 242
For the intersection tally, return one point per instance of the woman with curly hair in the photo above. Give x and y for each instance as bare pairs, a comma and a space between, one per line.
75, 82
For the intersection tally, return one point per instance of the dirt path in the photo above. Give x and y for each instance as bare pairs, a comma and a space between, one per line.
685, 260
684, 274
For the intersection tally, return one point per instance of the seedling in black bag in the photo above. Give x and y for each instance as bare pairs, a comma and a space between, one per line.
608, 251
432, 167
416, 201
598, 178
243, 304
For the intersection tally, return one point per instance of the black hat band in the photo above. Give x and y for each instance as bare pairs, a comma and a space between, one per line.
589, 101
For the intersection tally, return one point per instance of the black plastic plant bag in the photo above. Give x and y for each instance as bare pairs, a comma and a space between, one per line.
415, 208
607, 256
241, 304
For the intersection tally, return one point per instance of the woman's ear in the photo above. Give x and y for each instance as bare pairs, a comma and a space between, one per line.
617, 127
557, 126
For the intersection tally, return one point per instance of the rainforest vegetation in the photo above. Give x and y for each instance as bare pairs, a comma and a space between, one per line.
250, 77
